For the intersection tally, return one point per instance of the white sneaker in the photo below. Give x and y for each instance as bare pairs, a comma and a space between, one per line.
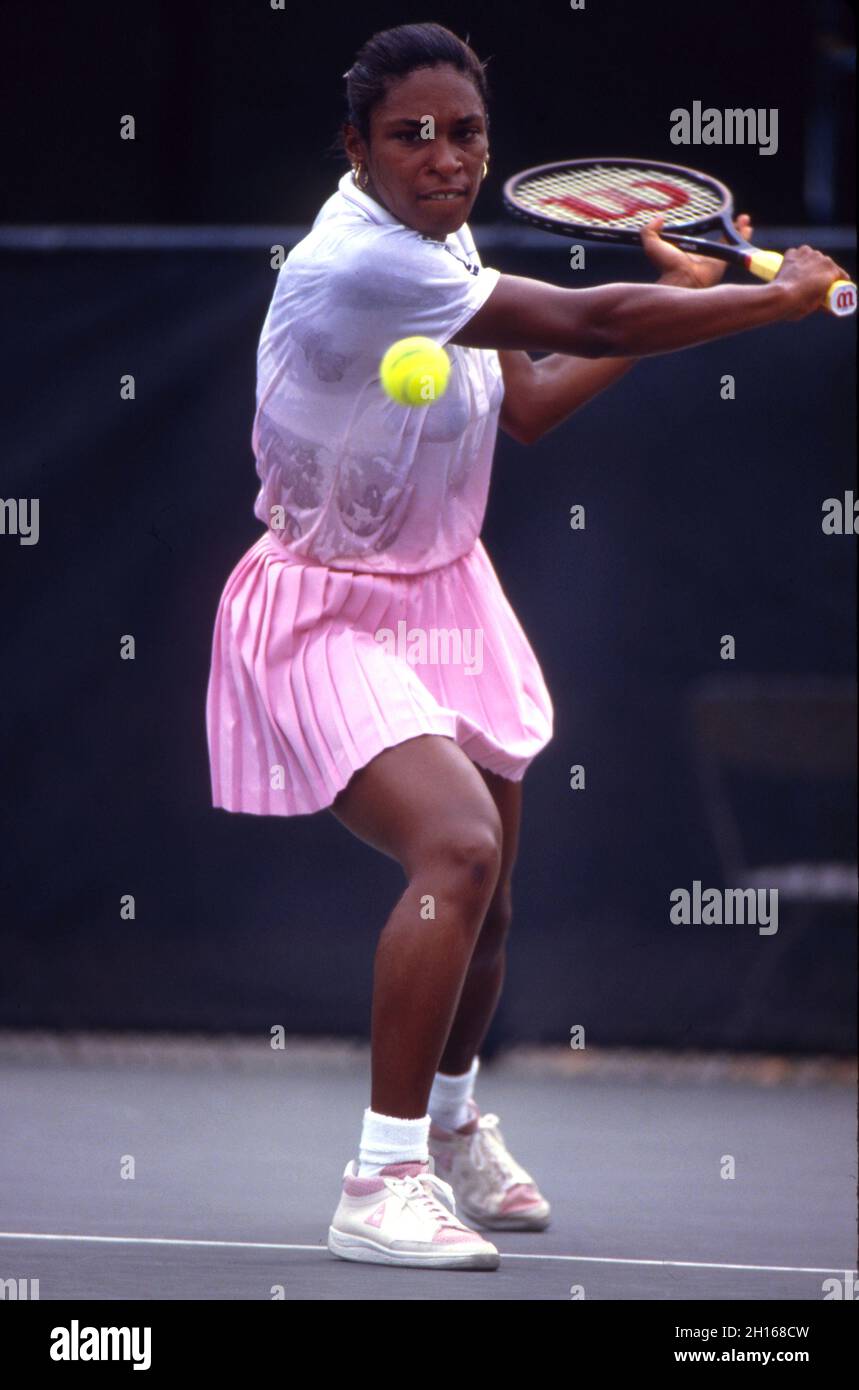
491, 1187
404, 1216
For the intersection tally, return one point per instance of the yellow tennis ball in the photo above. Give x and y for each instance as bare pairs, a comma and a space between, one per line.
415, 371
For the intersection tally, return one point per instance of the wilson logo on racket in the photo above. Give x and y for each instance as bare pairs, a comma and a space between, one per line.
844, 301
625, 204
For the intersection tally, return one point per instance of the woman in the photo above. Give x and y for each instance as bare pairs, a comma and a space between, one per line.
365, 657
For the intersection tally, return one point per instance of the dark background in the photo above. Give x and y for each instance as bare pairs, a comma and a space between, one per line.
703, 517
237, 105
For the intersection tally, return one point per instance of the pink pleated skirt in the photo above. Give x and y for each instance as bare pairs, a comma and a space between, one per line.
316, 670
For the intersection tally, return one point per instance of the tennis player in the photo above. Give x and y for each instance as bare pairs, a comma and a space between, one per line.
365, 657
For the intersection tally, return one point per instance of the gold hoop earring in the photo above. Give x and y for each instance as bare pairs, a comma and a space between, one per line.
485, 167
356, 175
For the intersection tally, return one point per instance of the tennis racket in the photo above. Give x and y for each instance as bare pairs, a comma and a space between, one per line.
612, 199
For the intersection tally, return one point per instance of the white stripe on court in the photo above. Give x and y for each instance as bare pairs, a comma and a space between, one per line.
276, 1245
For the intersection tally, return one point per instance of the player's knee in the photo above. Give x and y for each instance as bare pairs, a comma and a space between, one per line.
467, 856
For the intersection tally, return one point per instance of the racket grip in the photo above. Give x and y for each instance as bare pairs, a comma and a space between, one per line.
765, 264
840, 297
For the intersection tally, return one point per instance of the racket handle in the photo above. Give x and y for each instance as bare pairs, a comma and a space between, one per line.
840, 297
765, 264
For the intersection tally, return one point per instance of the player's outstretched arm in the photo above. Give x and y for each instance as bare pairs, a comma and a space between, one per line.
539, 396
626, 320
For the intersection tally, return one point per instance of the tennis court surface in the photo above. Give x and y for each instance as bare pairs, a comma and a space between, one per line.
237, 1151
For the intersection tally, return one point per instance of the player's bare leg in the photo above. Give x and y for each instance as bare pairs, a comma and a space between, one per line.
485, 977
423, 803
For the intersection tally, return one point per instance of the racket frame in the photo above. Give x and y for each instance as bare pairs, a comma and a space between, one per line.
626, 236
734, 249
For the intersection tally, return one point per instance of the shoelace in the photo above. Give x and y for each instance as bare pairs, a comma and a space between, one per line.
487, 1150
413, 1189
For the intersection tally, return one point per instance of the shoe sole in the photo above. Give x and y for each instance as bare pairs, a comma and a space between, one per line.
364, 1251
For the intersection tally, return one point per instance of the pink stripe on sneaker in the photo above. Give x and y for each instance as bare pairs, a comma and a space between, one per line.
362, 1187
520, 1195
441, 1135
449, 1235
411, 1169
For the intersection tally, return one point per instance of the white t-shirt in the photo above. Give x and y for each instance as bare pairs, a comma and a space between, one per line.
350, 478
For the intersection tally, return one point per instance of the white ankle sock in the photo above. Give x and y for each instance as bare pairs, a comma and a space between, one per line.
385, 1139
449, 1097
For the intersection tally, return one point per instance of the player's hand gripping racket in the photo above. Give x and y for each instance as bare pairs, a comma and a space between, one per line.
612, 199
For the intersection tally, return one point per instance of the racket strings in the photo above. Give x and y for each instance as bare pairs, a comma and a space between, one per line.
617, 196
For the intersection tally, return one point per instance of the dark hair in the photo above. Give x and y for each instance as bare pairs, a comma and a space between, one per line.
393, 53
